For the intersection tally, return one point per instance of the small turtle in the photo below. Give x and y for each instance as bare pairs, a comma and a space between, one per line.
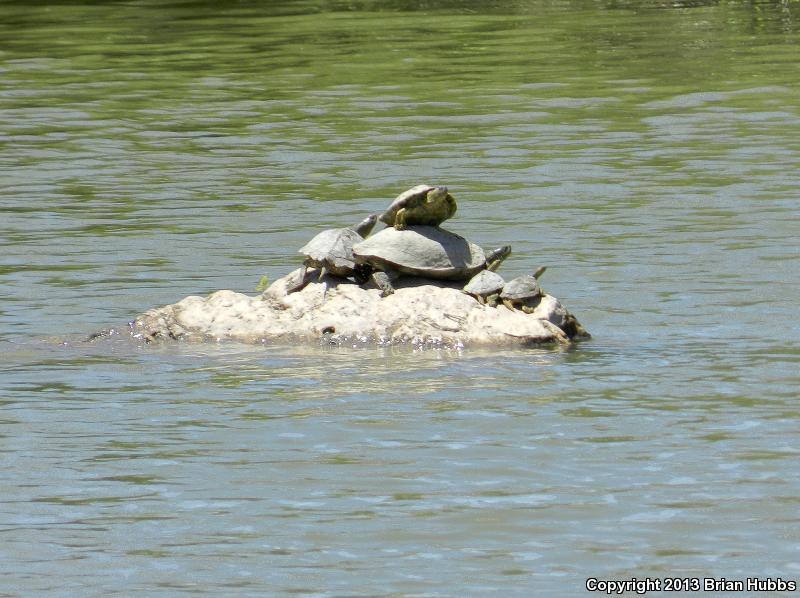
425, 251
573, 329
523, 292
331, 252
423, 205
485, 286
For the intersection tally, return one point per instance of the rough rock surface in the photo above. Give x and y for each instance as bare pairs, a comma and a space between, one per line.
335, 311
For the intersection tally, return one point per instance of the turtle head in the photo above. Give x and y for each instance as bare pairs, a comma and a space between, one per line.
496, 257
539, 271
365, 227
451, 205
437, 194
446, 203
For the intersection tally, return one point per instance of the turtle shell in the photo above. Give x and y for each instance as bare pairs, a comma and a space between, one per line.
332, 249
484, 283
406, 199
521, 288
427, 251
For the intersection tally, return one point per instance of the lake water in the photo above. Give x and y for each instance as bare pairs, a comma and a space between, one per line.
647, 153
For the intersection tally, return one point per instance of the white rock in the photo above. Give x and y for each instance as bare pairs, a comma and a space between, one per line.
335, 311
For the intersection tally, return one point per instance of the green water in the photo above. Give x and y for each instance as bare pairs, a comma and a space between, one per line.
647, 153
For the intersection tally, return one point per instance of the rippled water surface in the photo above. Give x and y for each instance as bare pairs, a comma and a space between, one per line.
647, 153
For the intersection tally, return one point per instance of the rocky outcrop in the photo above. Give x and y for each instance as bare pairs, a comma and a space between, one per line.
335, 311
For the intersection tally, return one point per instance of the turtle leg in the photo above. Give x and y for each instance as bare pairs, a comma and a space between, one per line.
491, 300
530, 305
384, 282
299, 279
508, 303
400, 219
322, 272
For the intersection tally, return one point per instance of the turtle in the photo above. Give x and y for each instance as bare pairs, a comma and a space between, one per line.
425, 251
572, 328
422, 205
331, 252
485, 286
523, 292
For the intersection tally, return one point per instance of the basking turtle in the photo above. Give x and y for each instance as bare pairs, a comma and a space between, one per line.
523, 292
331, 252
422, 205
426, 251
485, 286
572, 328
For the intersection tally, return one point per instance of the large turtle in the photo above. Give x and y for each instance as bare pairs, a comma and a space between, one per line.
523, 292
425, 251
485, 286
331, 252
421, 205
